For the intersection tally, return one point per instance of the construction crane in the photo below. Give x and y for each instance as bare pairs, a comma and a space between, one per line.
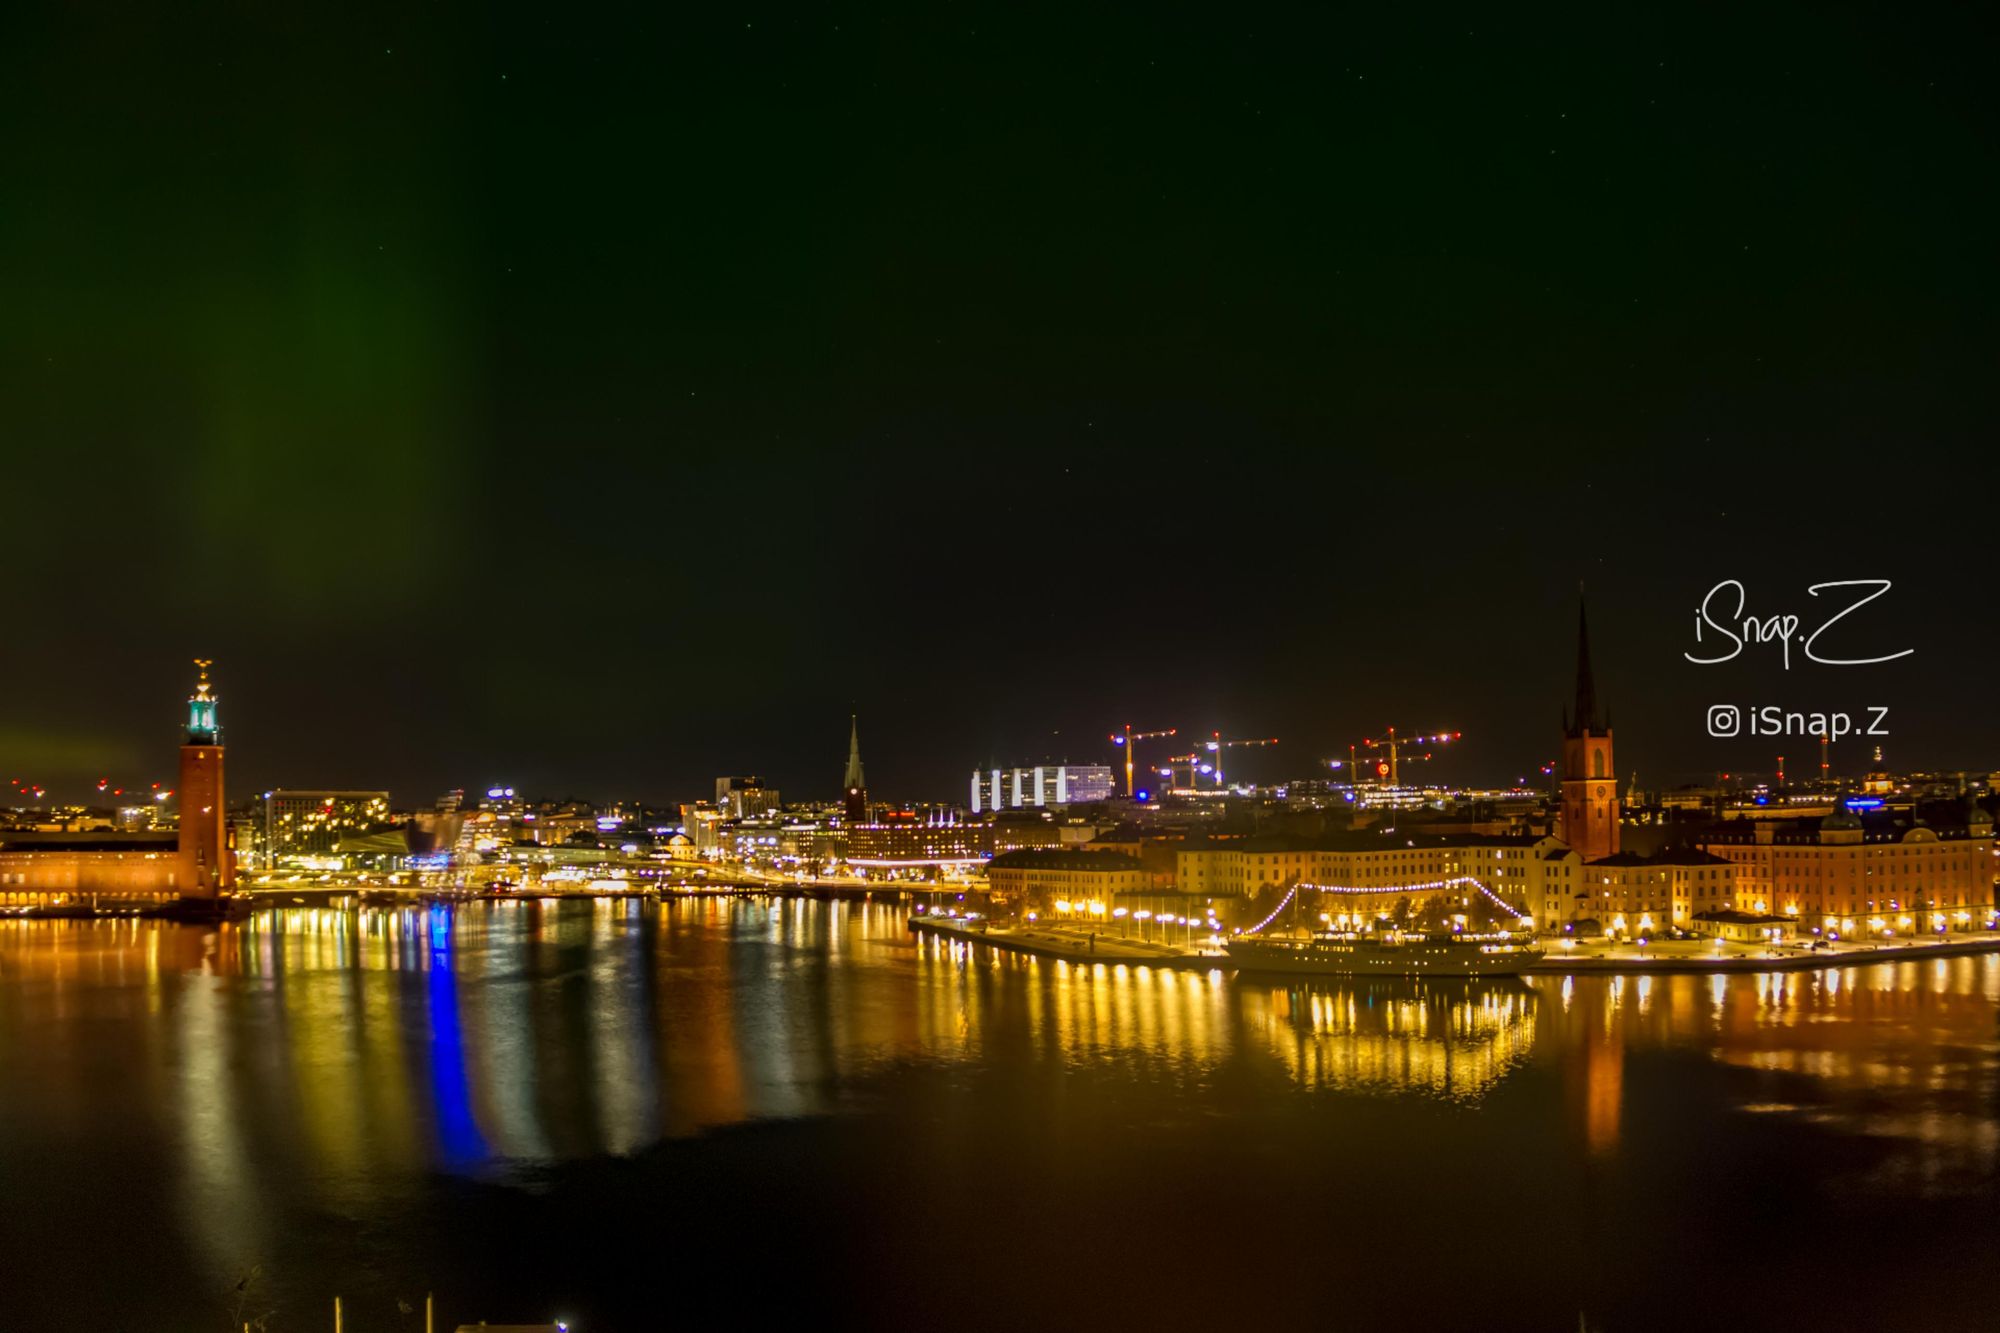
1130, 739
1195, 768
1394, 745
1217, 745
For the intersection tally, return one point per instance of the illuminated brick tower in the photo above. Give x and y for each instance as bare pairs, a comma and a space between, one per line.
1589, 782
206, 867
854, 801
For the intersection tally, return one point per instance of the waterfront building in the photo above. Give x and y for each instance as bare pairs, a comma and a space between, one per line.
310, 823
1745, 927
66, 869
913, 847
1041, 785
1365, 873
1888, 874
98, 868
1043, 877
1631, 895
921, 846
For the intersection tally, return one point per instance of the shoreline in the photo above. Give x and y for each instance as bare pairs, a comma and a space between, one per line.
1119, 951
1064, 947
1790, 962
1051, 946
349, 898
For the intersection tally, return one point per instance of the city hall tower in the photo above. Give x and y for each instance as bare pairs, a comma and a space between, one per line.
207, 868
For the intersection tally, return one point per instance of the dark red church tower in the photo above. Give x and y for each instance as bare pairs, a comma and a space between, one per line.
1589, 820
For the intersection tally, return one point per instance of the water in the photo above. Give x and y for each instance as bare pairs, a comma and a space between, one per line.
642, 1116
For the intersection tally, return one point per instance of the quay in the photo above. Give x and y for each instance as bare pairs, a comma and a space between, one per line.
1593, 958
358, 894
1066, 945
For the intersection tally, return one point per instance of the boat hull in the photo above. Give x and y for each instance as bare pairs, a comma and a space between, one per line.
1359, 958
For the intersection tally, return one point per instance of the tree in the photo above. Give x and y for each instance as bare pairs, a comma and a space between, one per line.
1261, 904
1437, 912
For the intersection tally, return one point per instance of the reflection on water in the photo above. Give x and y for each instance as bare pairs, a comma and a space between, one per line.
338, 1061
454, 1038
1450, 1040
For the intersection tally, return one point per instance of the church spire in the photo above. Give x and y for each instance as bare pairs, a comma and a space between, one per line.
854, 779
1585, 720
854, 796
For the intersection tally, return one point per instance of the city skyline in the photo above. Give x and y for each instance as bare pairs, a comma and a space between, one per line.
879, 638
1849, 760
1291, 395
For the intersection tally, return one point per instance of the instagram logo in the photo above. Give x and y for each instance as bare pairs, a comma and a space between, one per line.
1724, 719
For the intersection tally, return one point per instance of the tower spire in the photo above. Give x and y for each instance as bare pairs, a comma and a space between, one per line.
854, 796
854, 777
202, 728
1585, 719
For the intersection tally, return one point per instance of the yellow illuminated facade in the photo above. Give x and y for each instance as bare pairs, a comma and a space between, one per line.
1539, 875
1631, 895
1844, 879
1044, 878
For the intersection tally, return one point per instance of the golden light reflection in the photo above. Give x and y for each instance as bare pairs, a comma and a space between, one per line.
344, 1043
1453, 1041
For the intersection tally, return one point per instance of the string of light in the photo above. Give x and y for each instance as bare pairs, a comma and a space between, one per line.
1275, 910
1498, 901
1431, 886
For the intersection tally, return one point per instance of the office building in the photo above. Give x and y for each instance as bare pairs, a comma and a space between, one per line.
310, 823
1041, 785
745, 797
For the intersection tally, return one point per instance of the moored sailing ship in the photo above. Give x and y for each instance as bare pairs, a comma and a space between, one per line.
1336, 954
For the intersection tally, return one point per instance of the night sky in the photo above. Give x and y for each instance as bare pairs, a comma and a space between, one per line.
597, 404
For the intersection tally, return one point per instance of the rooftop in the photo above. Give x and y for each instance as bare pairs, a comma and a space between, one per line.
1666, 856
1368, 840
1040, 858
110, 841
